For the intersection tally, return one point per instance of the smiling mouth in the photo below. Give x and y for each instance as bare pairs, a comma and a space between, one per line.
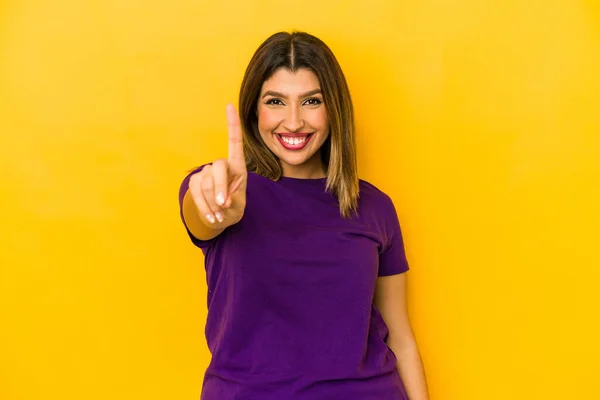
295, 142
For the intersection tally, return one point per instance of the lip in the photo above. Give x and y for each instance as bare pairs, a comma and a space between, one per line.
297, 134
296, 147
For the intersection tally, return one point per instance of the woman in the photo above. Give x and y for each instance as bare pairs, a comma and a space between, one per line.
305, 262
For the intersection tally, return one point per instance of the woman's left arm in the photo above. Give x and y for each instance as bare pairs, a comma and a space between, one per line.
390, 300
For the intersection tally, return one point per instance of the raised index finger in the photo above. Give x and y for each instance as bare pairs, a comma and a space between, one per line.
236, 148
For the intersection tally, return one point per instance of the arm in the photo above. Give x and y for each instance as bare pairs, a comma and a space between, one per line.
390, 300
216, 195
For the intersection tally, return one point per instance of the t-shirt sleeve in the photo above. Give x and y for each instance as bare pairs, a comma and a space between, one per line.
203, 244
392, 256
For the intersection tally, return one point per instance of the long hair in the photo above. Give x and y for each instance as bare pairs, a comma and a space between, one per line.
294, 51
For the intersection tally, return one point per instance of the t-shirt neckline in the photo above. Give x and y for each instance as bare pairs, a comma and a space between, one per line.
303, 181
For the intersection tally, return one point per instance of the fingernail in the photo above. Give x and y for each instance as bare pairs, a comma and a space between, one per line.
210, 218
220, 198
219, 216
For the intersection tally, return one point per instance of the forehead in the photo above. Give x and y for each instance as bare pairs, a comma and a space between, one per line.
283, 80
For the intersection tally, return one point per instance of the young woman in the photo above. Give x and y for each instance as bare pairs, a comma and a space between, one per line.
305, 262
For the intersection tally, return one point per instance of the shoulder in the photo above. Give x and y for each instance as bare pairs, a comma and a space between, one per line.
376, 205
258, 182
253, 176
372, 195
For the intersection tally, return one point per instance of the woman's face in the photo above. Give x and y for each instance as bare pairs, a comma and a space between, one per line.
292, 121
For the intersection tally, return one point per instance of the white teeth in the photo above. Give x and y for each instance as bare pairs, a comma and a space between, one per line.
294, 141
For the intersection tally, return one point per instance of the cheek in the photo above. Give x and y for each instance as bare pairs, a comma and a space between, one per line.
319, 120
267, 120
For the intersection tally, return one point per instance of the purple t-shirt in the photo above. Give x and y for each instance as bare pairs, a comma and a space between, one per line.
290, 296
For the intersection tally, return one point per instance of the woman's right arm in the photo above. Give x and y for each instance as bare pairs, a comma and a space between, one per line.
216, 196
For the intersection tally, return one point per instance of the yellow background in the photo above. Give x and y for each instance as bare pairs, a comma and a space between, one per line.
480, 119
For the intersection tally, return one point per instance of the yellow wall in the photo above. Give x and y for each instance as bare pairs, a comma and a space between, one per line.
480, 118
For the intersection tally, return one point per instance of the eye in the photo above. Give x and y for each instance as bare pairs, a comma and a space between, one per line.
275, 102
313, 101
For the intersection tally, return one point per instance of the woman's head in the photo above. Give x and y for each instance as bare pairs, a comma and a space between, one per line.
293, 122
297, 115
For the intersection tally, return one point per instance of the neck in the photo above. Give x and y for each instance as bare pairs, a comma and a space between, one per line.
307, 170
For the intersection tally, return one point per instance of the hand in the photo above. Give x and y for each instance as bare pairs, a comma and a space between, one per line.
219, 190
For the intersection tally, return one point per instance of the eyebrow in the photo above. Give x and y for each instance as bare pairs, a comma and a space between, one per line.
277, 94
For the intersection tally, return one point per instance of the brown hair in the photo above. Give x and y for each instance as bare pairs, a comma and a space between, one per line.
295, 51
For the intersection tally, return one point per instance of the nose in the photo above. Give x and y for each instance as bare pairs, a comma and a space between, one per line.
293, 121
